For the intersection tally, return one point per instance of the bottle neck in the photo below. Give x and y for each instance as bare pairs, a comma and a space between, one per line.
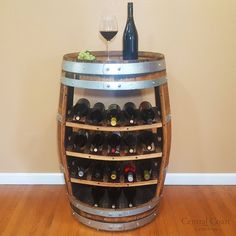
130, 10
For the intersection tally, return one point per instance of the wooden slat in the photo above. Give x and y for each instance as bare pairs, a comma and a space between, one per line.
114, 158
61, 136
113, 129
166, 129
112, 184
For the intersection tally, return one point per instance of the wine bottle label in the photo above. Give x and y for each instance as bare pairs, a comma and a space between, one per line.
113, 206
113, 175
81, 173
149, 147
146, 175
77, 118
95, 149
130, 204
96, 205
131, 150
113, 121
113, 150
131, 121
130, 177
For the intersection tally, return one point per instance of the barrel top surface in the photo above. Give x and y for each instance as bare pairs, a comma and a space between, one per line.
148, 62
115, 57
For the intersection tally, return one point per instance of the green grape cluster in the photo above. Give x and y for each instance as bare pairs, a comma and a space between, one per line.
86, 55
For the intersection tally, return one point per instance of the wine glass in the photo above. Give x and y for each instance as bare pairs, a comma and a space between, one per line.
108, 29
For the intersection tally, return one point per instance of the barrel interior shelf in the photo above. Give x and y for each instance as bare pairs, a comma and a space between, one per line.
114, 162
114, 184
157, 154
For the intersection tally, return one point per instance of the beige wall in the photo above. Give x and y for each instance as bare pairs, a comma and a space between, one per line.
198, 38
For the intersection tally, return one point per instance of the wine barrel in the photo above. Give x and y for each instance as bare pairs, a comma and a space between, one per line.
148, 71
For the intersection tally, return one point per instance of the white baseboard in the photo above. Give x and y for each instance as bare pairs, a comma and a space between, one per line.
171, 178
200, 179
31, 178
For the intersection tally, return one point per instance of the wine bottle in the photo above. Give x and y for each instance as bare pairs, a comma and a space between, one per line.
146, 112
73, 167
97, 195
98, 171
146, 169
97, 142
130, 172
130, 194
97, 114
114, 141
81, 109
113, 171
113, 114
83, 168
147, 140
130, 112
130, 37
130, 143
114, 195
80, 140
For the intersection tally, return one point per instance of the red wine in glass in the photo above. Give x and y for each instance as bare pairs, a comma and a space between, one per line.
108, 29
108, 35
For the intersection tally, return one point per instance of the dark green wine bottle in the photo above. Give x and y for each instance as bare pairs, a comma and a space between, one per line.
130, 37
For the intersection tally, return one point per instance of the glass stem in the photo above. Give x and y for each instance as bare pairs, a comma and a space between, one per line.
108, 58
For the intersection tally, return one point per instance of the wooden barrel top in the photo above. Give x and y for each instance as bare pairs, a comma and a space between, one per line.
115, 57
148, 62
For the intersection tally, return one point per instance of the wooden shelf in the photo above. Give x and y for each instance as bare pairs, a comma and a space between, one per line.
113, 129
114, 158
113, 184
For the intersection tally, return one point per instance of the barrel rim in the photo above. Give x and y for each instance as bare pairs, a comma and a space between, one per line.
114, 213
152, 62
147, 56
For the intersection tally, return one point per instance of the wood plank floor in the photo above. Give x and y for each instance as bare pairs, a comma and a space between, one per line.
185, 210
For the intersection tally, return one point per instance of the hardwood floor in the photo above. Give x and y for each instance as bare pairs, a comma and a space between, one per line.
185, 210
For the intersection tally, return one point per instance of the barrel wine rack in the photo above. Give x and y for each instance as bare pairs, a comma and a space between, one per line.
148, 71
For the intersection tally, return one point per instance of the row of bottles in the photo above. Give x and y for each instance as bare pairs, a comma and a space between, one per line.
113, 116
114, 143
113, 197
142, 170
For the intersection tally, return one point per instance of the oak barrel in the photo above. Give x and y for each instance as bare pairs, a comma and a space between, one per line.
148, 71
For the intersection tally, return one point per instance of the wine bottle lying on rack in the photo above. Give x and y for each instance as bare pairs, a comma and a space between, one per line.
114, 141
80, 140
130, 194
145, 169
97, 195
113, 171
130, 113
97, 113
98, 171
83, 168
146, 112
97, 142
130, 172
130, 143
147, 139
113, 114
78, 168
114, 195
81, 109
73, 167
